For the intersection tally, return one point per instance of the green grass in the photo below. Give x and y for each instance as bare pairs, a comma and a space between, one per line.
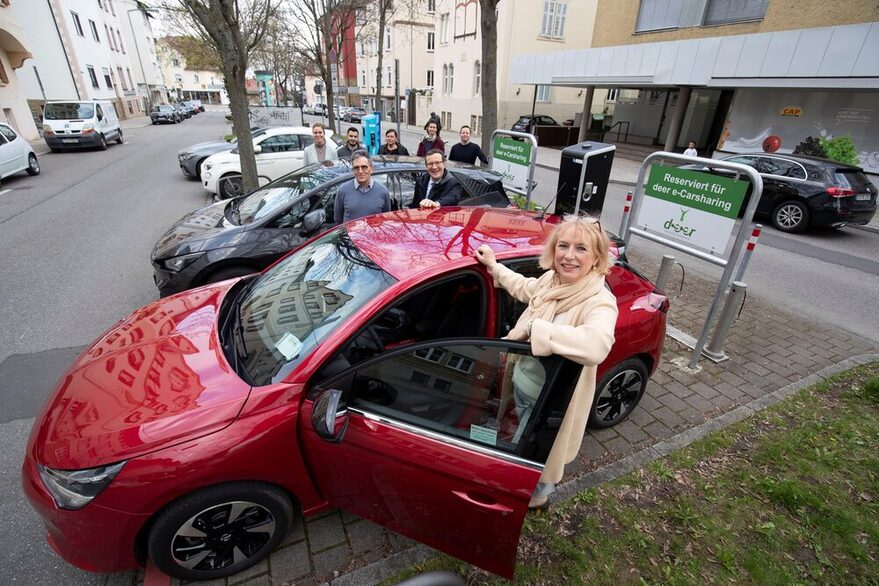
788, 496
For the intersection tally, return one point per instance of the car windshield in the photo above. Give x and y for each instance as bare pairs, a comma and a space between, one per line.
278, 194
68, 111
163, 109
291, 309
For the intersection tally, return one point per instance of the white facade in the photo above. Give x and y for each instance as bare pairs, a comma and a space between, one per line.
409, 37
13, 53
532, 26
187, 84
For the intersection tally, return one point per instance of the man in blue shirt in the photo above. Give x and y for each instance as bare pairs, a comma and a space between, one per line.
363, 196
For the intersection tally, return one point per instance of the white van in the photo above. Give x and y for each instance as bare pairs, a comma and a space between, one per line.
87, 123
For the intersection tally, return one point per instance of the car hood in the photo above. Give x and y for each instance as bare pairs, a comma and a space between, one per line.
222, 158
215, 146
158, 377
193, 230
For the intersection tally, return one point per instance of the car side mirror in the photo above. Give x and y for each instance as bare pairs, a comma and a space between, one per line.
329, 418
257, 149
313, 220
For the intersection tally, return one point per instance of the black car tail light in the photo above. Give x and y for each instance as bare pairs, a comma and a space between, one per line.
840, 191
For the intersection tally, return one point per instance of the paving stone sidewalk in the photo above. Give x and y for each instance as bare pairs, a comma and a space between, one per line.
769, 349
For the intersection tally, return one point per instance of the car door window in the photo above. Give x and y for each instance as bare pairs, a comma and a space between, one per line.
780, 167
509, 309
490, 393
407, 188
749, 161
8, 133
296, 213
100, 112
280, 143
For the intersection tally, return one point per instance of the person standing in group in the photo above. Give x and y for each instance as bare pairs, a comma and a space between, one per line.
437, 187
351, 145
317, 152
432, 141
392, 145
691, 150
363, 196
570, 313
466, 151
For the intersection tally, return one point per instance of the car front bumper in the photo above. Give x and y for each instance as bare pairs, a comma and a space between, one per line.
189, 166
157, 119
73, 141
169, 282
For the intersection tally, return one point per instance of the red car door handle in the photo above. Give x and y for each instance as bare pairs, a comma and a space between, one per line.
483, 501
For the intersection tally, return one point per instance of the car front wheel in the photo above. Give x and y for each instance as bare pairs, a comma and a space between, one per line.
33, 165
119, 138
231, 186
219, 531
617, 393
791, 216
103, 143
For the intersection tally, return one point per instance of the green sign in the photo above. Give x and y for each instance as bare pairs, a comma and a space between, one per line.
716, 195
512, 159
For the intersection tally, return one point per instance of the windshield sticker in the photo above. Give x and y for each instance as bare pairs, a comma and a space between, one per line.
485, 435
289, 346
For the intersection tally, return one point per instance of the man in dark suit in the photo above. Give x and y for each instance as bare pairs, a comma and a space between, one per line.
437, 187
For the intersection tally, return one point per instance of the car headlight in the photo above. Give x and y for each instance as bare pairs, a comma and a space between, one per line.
186, 156
47, 129
208, 166
74, 489
178, 263
88, 126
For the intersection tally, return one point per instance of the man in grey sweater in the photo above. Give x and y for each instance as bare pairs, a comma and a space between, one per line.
363, 196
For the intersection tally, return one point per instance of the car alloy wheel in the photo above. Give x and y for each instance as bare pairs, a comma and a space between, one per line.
33, 165
791, 216
219, 531
618, 392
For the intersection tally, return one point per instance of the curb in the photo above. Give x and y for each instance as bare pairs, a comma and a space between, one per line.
385, 568
866, 228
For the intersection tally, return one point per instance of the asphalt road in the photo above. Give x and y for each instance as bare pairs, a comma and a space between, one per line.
76, 243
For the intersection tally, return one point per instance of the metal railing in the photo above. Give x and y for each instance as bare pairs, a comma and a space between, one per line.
620, 124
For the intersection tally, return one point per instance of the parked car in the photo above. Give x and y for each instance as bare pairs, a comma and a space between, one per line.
193, 109
801, 191
364, 371
198, 105
165, 113
16, 154
84, 123
238, 237
527, 123
192, 157
319, 109
183, 110
354, 115
280, 150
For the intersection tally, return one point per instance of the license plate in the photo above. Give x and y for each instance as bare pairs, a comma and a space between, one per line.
69, 140
862, 197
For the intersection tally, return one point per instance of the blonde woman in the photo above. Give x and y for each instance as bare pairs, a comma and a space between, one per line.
570, 313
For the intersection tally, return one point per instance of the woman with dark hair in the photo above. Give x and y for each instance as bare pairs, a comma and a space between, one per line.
431, 141
570, 313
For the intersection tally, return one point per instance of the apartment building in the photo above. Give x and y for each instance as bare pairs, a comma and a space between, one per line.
524, 26
409, 38
13, 53
86, 49
184, 83
732, 75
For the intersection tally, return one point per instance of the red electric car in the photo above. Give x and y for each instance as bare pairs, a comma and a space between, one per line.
364, 371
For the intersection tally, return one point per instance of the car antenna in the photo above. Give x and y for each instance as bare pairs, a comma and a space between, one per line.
542, 213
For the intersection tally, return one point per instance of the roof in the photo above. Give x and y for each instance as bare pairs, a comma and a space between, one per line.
406, 243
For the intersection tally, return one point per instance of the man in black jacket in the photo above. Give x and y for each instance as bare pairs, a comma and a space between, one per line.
466, 151
437, 187
392, 145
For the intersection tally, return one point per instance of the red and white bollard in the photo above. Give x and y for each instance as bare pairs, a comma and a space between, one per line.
749, 250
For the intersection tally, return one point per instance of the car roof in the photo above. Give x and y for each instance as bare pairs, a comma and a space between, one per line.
272, 130
406, 243
801, 159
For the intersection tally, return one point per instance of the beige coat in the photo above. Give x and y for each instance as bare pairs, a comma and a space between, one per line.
586, 343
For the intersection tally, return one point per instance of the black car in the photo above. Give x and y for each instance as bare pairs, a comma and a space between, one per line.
165, 114
527, 123
243, 235
801, 191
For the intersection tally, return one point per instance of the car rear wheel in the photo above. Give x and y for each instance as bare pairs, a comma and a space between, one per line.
231, 186
33, 165
219, 531
618, 393
227, 273
791, 216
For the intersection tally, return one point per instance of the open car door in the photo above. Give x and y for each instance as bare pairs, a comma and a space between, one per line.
429, 441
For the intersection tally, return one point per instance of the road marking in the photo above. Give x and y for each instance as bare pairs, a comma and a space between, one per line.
5, 191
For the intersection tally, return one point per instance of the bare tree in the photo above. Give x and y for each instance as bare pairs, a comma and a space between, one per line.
233, 28
489, 71
324, 24
279, 52
385, 9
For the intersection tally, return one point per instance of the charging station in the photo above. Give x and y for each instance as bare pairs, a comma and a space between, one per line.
584, 173
372, 133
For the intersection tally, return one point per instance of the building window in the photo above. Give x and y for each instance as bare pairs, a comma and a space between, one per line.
110, 39
553, 25
175, 62
94, 28
178, 78
107, 79
445, 79
121, 78
431, 41
194, 78
130, 82
444, 28
474, 124
431, 6
100, 4
388, 77
76, 24
727, 11
121, 45
451, 79
654, 15
430, 78
363, 77
93, 76
544, 93
612, 94
110, 4
419, 378
434, 355
460, 363
387, 40
477, 78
